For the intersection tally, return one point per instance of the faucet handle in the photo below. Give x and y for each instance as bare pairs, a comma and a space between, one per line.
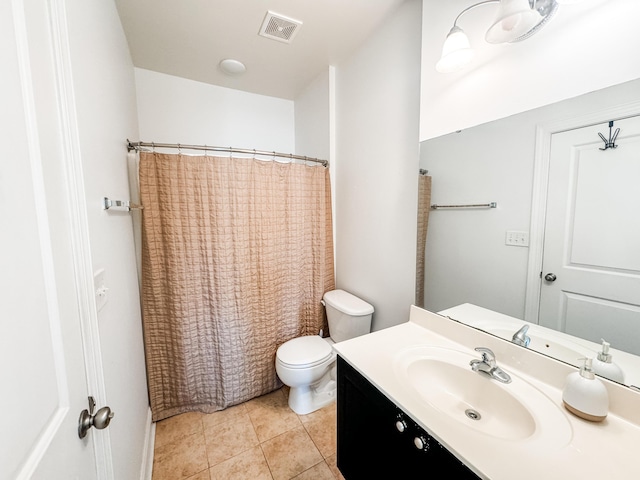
521, 337
488, 356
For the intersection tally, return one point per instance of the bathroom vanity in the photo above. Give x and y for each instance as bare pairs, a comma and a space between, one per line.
409, 403
374, 436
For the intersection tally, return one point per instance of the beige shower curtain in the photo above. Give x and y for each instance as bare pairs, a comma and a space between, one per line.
236, 256
424, 205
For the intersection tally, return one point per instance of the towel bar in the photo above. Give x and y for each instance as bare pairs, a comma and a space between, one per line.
108, 203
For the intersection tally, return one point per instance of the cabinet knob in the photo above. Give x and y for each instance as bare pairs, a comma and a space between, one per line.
401, 425
421, 443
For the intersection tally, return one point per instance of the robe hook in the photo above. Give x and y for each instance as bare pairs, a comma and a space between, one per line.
611, 143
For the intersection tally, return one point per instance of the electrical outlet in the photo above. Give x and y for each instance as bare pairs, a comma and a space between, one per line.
100, 289
517, 239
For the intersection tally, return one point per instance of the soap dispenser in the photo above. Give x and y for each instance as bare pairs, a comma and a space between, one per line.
604, 366
585, 395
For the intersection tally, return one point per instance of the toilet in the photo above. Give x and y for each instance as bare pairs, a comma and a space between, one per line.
307, 364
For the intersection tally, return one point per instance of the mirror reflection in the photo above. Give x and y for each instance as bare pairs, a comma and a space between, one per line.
560, 250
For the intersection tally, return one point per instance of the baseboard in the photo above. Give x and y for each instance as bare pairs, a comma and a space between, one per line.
146, 469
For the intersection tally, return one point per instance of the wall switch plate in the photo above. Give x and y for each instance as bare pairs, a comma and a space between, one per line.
518, 239
100, 289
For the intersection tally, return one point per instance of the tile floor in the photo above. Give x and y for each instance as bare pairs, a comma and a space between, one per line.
260, 439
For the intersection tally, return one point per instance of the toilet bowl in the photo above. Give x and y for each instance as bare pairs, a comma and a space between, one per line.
307, 364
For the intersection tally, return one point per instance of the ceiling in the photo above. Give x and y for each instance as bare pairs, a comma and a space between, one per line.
188, 38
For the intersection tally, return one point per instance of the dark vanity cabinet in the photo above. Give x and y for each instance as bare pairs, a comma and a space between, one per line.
377, 440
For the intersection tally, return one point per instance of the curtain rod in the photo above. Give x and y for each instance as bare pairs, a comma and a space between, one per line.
139, 145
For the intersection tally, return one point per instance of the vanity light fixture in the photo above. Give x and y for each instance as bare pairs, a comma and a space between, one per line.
515, 20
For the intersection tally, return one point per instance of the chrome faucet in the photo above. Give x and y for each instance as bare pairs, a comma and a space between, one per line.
487, 366
521, 337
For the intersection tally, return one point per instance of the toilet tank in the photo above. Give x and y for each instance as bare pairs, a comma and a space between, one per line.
348, 316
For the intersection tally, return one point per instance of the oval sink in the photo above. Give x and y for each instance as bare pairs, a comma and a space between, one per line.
442, 378
469, 397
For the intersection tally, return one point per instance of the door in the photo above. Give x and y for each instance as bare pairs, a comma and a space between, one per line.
591, 264
44, 375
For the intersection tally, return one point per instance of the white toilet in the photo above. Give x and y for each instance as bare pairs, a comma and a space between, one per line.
308, 364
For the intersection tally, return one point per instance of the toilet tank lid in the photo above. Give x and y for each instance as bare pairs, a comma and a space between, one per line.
347, 303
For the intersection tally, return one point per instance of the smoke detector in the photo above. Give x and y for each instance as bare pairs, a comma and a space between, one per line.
280, 28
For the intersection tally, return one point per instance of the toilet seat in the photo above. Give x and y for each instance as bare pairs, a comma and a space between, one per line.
304, 352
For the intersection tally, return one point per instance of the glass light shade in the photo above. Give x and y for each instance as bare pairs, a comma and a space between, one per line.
514, 19
456, 52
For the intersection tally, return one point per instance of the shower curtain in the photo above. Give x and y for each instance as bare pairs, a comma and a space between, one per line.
236, 256
424, 205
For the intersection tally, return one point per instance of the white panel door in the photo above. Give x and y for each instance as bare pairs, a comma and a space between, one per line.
42, 362
592, 236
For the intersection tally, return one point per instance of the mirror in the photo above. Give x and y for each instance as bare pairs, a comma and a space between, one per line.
467, 257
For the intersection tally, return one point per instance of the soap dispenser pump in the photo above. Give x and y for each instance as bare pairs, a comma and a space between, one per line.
604, 366
585, 395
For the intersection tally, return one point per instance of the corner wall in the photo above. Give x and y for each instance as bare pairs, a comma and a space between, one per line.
377, 116
315, 127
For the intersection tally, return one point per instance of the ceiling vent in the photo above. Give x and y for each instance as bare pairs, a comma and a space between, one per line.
280, 28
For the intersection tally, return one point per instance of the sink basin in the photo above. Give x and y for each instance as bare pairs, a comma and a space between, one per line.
444, 381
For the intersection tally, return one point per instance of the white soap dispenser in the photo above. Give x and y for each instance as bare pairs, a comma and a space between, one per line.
604, 366
585, 395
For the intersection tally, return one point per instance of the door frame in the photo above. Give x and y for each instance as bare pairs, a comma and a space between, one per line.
542, 156
76, 204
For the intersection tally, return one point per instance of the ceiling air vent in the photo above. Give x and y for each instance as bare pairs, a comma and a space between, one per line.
280, 28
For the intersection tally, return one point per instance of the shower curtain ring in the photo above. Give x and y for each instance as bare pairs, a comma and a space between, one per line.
153, 147
206, 150
179, 150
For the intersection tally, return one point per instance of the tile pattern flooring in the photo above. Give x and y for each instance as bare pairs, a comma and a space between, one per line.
260, 439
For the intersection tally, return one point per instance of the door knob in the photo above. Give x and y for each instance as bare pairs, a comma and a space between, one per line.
88, 418
550, 277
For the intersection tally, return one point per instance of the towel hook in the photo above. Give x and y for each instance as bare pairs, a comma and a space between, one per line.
611, 143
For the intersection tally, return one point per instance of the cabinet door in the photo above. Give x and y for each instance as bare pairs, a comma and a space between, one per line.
369, 443
365, 425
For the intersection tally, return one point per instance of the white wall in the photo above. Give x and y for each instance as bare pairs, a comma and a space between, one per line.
377, 115
315, 126
177, 110
105, 100
312, 114
466, 257
585, 47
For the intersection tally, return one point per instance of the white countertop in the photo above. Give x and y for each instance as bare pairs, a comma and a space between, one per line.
606, 450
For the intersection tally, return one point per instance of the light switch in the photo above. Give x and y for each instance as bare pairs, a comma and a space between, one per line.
100, 289
518, 239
